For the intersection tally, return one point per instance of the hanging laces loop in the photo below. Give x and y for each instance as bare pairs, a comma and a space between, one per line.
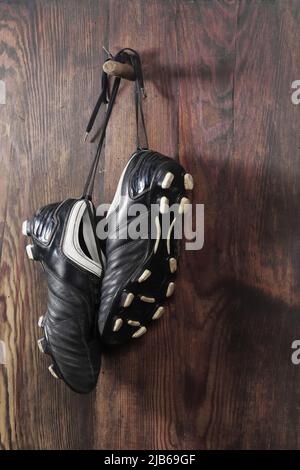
126, 55
131, 56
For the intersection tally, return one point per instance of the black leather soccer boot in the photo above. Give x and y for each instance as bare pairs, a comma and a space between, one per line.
63, 240
140, 272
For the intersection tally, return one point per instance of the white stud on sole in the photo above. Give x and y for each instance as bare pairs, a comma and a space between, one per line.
149, 300
170, 290
167, 181
41, 320
188, 182
141, 331
40, 344
169, 236
158, 233
29, 251
159, 312
51, 370
128, 300
164, 205
184, 205
24, 228
173, 265
144, 276
133, 323
118, 324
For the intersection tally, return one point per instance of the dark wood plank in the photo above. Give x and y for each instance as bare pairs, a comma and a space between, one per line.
52, 70
206, 35
264, 250
243, 298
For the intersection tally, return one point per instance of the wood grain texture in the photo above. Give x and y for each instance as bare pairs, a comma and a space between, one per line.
44, 45
215, 371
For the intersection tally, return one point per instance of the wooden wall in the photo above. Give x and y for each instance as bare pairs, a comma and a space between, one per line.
216, 371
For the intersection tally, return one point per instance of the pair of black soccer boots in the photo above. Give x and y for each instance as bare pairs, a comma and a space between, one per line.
107, 291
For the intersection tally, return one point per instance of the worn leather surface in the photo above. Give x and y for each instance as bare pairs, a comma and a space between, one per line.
70, 325
124, 257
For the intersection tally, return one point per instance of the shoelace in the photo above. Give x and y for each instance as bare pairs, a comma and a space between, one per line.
103, 98
122, 56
